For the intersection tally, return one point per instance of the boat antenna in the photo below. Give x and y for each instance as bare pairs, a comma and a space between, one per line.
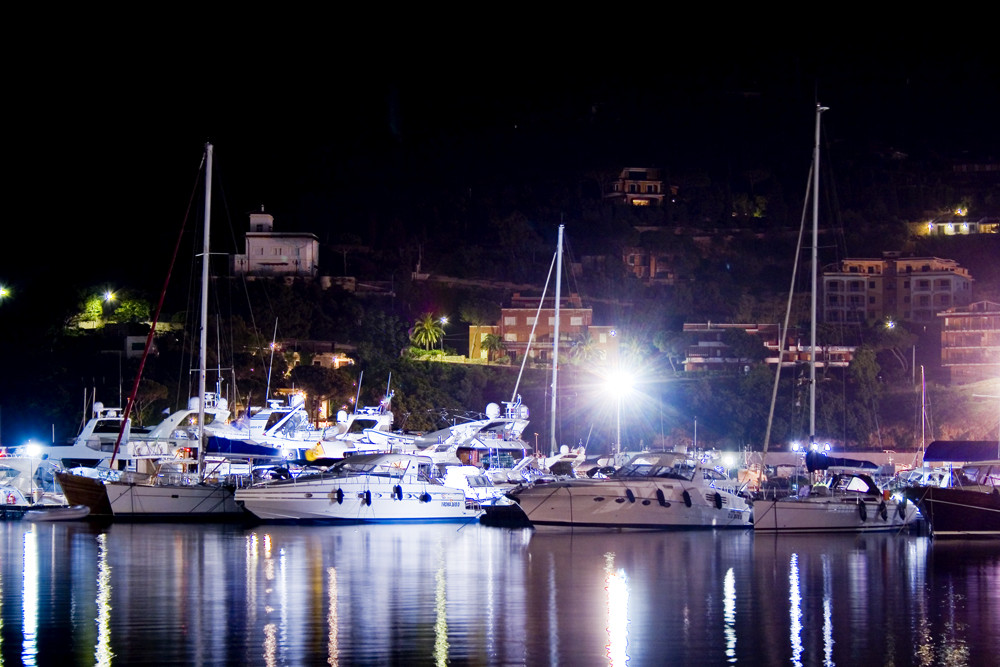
555, 344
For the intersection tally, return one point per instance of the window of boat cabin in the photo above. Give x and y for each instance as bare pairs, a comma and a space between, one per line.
107, 426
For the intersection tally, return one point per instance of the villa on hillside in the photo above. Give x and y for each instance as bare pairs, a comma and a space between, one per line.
271, 254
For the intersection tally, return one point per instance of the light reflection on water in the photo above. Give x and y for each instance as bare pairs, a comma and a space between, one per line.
124, 594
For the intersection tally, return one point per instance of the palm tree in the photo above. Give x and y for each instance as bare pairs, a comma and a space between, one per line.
426, 331
586, 350
493, 344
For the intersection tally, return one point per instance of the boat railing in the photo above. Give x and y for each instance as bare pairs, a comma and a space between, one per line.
175, 479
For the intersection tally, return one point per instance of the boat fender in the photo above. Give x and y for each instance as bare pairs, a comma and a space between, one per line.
340, 496
862, 511
882, 511
718, 500
425, 497
901, 508
660, 498
687, 498
368, 498
630, 495
397, 492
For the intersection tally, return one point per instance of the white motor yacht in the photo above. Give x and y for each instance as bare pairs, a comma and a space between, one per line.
362, 488
658, 490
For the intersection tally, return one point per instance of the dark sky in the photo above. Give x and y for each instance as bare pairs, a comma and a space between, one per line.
105, 142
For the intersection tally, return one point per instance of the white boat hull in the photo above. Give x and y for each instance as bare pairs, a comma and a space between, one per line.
832, 515
69, 513
632, 504
167, 501
355, 499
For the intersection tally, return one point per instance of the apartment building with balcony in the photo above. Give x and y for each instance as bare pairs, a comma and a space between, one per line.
970, 342
708, 350
271, 254
912, 289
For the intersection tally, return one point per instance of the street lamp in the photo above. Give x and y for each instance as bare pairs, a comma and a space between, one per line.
619, 383
444, 321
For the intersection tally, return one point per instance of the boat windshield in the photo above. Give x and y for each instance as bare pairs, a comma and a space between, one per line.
852, 483
360, 424
387, 468
682, 470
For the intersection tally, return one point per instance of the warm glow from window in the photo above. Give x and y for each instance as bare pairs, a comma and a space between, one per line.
640, 202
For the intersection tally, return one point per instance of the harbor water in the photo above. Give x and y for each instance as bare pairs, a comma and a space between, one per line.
88, 593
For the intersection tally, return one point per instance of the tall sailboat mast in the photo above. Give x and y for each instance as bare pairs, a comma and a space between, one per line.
814, 291
553, 445
203, 323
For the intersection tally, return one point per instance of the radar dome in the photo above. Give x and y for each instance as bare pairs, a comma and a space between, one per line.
492, 410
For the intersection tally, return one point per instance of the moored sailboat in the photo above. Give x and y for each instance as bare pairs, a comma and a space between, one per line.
969, 506
848, 501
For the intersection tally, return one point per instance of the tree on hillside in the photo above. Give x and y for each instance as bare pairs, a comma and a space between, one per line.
132, 310
672, 345
585, 350
494, 345
149, 392
322, 383
746, 347
478, 313
426, 331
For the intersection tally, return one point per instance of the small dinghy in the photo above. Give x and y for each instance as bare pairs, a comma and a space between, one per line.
57, 513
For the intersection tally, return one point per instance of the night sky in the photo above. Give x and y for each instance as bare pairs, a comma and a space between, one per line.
106, 141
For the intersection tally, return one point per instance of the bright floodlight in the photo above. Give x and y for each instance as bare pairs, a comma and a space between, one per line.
619, 383
109, 296
32, 449
444, 320
4, 292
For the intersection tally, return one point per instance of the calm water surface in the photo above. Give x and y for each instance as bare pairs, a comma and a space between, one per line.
127, 594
